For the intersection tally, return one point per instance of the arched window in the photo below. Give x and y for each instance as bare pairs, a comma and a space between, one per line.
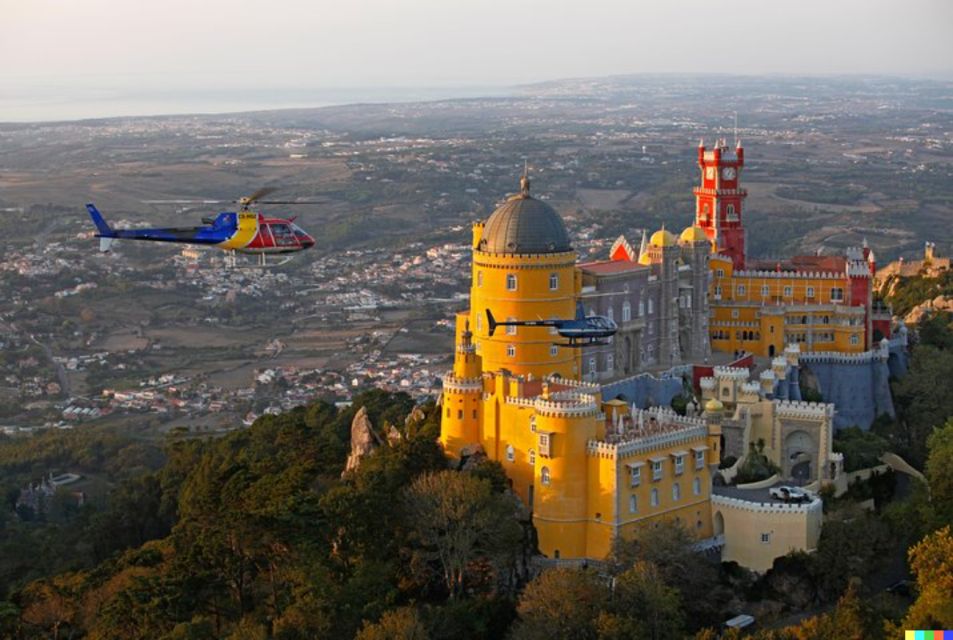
610, 314
511, 328
532, 456
626, 311
676, 492
510, 453
553, 281
511, 351
651, 310
479, 278
697, 486
592, 365
654, 497
544, 476
633, 504
510, 282
641, 308
610, 363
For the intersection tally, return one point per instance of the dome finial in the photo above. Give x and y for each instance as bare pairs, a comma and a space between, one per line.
524, 179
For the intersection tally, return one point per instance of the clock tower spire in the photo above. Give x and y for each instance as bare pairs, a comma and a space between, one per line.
719, 199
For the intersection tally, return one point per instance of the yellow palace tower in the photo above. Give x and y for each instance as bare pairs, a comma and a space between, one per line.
524, 268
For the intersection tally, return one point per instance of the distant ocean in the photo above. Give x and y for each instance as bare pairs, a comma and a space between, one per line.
44, 104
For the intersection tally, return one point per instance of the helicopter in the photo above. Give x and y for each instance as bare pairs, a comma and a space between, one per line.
243, 231
581, 331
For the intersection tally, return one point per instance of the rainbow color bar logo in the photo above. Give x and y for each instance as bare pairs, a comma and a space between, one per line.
929, 635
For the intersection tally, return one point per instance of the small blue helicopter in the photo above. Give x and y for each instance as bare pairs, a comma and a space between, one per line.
581, 331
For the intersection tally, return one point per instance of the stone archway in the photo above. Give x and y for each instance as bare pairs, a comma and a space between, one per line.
799, 455
718, 524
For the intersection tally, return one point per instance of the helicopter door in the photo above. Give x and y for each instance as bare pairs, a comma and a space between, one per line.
283, 235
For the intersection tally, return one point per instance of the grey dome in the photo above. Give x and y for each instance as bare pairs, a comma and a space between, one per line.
524, 224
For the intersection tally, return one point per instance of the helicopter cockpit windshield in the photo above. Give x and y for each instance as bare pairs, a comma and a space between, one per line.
283, 235
300, 233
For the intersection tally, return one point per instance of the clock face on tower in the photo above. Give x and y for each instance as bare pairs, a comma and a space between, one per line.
728, 173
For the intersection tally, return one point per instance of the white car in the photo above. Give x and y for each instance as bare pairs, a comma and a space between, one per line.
789, 494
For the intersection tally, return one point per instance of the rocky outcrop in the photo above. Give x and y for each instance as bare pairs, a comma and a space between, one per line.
363, 439
393, 435
417, 416
939, 303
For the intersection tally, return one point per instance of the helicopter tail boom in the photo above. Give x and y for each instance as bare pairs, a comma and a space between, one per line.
105, 231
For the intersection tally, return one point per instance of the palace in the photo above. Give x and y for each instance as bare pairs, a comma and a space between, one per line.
823, 303
592, 468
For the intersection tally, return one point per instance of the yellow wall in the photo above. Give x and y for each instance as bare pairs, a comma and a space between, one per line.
755, 312
788, 528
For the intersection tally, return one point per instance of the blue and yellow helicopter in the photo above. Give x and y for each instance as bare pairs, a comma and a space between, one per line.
242, 231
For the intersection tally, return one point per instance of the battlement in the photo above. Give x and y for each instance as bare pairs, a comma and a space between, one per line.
767, 507
804, 410
839, 357
795, 275
453, 384
707, 383
858, 270
751, 387
637, 444
732, 373
578, 384
560, 404
647, 430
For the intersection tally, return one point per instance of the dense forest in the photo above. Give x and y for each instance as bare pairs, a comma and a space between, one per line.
263, 534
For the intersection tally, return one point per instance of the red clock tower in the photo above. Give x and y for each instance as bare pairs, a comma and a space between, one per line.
718, 199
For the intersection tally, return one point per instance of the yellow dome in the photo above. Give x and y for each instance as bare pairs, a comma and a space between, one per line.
693, 234
662, 238
645, 259
714, 405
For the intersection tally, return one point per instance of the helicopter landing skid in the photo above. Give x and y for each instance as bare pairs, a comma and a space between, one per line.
579, 345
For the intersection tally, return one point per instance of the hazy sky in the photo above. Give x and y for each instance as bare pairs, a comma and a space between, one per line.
133, 45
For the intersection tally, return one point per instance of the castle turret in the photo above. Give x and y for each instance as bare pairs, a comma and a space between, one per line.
462, 393
561, 510
524, 268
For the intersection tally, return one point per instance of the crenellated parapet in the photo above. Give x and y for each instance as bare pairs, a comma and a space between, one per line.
453, 384
858, 269
800, 409
707, 383
816, 505
839, 357
589, 387
643, 444
561, 404
731, 373
751, 388
789, 275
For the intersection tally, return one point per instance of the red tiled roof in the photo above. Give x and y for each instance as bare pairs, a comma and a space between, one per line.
606, 267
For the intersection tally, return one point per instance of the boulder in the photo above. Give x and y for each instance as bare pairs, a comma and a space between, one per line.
393, 435
363, 439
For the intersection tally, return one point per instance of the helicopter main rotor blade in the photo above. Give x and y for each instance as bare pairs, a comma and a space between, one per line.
185, 201
261, 193
292, 201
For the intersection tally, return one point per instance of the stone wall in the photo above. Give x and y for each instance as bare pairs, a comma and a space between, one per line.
644, 390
